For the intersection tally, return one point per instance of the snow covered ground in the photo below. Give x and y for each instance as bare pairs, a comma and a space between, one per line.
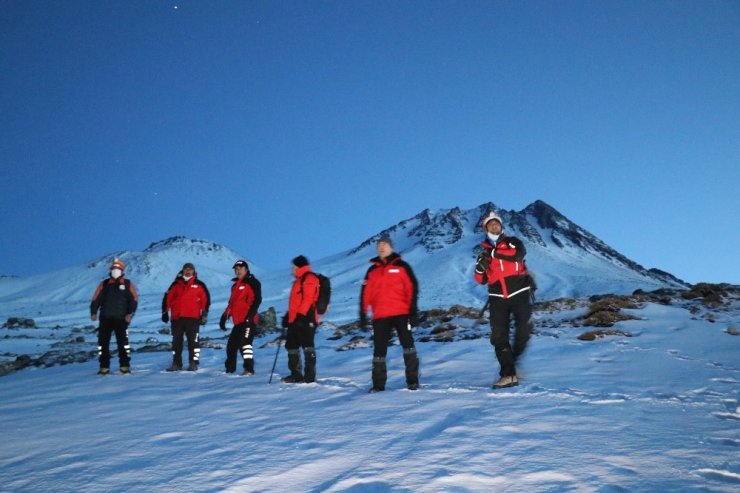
659, 411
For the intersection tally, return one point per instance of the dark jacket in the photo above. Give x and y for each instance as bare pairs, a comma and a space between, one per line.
115, 298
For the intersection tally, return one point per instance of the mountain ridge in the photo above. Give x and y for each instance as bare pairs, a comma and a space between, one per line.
441, 246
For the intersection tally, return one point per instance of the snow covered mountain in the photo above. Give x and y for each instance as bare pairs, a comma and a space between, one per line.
440, 245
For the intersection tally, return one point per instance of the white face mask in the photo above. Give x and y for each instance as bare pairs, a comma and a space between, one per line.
187, 278
494, 238
115, 273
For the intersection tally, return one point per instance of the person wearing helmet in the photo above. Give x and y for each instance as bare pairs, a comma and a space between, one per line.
501, 266
116, 299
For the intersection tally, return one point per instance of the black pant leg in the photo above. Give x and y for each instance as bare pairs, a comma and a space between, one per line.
178, 328
124, 349
381, 332
292, 338
521, 308
104, 334
405, 336
191, 327
246, 347
500, 316
232, 347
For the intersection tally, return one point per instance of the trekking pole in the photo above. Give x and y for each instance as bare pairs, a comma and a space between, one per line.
280, 343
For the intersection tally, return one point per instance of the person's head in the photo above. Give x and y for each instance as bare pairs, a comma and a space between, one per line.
116, 268
385, 247
493, 225
299, 262
188, 270
241, 268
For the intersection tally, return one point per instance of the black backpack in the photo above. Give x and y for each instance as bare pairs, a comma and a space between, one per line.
322, 304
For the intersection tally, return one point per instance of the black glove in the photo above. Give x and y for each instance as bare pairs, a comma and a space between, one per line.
204, 318
285, 321
363, 320
165, 317
414, 317
222, 322
483, 261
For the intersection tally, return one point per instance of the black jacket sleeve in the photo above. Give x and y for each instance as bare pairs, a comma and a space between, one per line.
415, 286
362, 291
208, 295
257, 289
164, 298
521, 251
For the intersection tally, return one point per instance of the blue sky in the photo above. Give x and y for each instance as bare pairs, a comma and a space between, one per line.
290, 127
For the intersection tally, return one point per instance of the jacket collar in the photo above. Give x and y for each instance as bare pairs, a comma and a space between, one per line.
390, 259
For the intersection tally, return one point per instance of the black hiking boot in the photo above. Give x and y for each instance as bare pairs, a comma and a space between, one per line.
379, 373
309, 370
298, 378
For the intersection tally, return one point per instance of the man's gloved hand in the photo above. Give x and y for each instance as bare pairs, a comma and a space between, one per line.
222, 322
204, 318
285, 321
483, 261
363, 320
414, 317
165, 317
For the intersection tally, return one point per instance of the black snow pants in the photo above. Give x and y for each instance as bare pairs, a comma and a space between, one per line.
382, 331
502, 310
240, 339
189, 327
108, 327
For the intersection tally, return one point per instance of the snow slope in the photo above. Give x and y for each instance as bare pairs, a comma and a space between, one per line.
658, 411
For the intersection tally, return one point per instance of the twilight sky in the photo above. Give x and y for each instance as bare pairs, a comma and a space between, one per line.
286, 127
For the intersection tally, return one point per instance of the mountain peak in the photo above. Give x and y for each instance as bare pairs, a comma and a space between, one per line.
182, 241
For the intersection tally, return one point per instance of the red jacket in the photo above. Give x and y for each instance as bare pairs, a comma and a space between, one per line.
303, 295
246, 296
506, 274
186, 299
390, 288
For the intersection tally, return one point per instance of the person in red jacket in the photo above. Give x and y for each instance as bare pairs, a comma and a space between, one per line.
246, 296
301, 322
390, 290
117, 301
187, 300
500, 264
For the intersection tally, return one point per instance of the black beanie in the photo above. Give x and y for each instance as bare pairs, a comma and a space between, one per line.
300, 261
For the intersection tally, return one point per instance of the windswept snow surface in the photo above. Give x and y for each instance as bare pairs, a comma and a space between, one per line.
658, 411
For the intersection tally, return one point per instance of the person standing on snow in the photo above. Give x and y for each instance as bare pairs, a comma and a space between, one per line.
116, 299
246, 296
390, 289
501, 265
188, 300
301, 322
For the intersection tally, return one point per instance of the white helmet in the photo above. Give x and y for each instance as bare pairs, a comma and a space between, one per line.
490, 217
